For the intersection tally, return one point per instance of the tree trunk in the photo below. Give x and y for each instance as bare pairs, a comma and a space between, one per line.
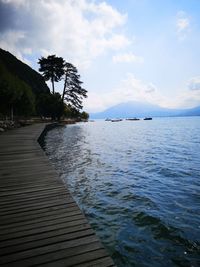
52, 81
64, 88
11, 113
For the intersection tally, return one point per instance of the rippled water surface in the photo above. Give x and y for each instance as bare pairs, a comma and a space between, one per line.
138, 183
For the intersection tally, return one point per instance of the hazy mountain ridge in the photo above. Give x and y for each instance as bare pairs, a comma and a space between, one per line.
137, 109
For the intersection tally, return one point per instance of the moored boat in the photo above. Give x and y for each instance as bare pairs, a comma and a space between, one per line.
116, 120
132, 119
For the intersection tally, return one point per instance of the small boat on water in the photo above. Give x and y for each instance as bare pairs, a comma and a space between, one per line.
116, 120
132, 119
147, 119
107, 119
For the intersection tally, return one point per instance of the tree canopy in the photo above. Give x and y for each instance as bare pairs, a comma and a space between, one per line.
52, 68
73, 92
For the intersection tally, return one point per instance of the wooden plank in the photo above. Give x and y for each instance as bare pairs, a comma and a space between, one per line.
14, 202
40, 222
102, 262
41, 219
26, 191
53, 257
78, 259
48, 249
25, 217
31, 199
44, 235
31, 195
44, 229
35, 206
28, 176
37, 214
26, 185
39, 209
45, 242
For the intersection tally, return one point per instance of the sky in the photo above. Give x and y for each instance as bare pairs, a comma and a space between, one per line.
130, 50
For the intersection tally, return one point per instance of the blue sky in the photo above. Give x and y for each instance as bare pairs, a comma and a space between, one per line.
144, 50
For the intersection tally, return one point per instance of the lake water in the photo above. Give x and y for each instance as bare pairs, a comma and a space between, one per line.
138, 182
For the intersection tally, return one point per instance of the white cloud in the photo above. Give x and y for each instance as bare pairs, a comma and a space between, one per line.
150, 88
78, 30
182, 25
134, 89
16, 2
130, 89
127, 57
194, 83
10, 41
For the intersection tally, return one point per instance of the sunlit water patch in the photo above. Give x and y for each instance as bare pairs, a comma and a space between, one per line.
138, 184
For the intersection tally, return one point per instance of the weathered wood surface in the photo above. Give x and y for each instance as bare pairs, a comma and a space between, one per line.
40, 224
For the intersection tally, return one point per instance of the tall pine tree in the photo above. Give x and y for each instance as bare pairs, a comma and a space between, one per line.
73, 92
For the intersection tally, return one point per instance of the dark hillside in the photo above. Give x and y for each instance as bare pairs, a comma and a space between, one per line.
24, 72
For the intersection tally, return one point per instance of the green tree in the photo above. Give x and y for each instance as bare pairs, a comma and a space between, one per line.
84, 115
73, 92
50, 105
25, 104
42, 106
52, 68
57, 106
16, 97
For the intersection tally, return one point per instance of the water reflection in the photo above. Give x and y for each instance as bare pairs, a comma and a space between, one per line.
138, 184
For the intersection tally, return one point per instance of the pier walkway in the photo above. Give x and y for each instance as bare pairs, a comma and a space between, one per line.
40, 223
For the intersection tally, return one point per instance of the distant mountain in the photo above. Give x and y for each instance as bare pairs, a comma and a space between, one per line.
192, 112
23, 72
137, 109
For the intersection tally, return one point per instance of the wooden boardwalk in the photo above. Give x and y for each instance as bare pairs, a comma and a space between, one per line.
40, 224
